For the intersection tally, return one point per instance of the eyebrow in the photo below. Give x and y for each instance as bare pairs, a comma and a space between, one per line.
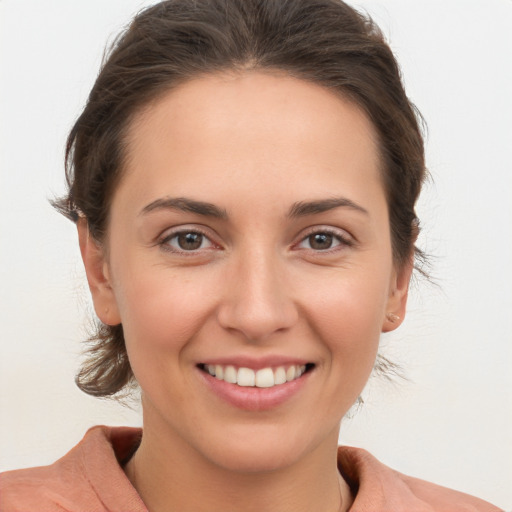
303, 208
186, 205
299, 209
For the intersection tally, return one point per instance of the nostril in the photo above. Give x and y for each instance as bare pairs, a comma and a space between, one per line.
257, 305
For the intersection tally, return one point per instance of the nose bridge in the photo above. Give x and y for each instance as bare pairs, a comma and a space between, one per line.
257, 300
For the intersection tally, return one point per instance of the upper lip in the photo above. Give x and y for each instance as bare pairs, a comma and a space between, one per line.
256, 363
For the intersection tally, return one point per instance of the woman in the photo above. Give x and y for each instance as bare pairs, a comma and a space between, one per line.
243, 179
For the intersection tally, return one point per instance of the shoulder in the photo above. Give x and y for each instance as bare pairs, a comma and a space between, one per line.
443, 499
378, 487
47, 488
88, 477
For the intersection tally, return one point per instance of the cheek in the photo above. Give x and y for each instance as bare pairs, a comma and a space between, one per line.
160, 308
161, 313
347, 316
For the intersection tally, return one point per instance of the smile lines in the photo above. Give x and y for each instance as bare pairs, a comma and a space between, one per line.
263, 378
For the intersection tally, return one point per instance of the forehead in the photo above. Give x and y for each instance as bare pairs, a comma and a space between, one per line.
241, 127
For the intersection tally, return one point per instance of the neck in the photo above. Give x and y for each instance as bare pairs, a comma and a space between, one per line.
170, 475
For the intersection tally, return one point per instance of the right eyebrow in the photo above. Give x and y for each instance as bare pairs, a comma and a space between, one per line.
185, 204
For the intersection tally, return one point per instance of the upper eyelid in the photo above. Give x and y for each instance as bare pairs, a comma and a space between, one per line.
342, 233
192, 228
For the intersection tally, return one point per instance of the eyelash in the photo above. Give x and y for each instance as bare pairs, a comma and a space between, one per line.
165, 245
342, 239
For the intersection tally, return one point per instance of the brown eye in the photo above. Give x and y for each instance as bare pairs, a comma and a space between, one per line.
324, 241
187, 241
190, 241
320, 241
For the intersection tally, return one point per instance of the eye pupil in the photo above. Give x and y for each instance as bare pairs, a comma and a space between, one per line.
320, 241
190, 241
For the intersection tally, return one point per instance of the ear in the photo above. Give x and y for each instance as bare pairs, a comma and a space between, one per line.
397, 300
98, 276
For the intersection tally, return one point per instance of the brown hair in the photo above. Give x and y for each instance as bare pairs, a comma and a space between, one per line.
322, 41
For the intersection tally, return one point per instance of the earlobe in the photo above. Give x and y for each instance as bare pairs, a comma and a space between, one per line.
397, 300
96, 269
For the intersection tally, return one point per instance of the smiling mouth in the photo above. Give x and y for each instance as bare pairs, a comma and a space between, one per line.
262, 378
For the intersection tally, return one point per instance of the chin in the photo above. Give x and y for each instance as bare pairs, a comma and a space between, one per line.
258, 450
253, 459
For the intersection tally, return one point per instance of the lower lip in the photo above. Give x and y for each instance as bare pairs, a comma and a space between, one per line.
253, 398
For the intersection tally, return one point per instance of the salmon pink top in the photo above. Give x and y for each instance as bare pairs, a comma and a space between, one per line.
90, 478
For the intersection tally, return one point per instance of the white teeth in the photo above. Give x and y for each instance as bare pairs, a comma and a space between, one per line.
263, 378
245, 377
280, 375
230, 374
290, 373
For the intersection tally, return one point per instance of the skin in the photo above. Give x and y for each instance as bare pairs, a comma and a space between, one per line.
254, 145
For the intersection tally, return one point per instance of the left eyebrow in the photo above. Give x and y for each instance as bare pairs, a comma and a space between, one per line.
185, 204
303, 208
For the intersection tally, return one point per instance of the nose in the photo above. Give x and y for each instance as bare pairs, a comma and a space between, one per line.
256, 298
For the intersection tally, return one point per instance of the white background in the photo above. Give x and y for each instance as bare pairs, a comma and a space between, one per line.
451, 421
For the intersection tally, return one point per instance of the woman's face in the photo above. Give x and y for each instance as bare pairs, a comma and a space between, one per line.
249, 238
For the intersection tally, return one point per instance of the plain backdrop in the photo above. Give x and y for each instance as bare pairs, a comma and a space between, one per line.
450, 422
